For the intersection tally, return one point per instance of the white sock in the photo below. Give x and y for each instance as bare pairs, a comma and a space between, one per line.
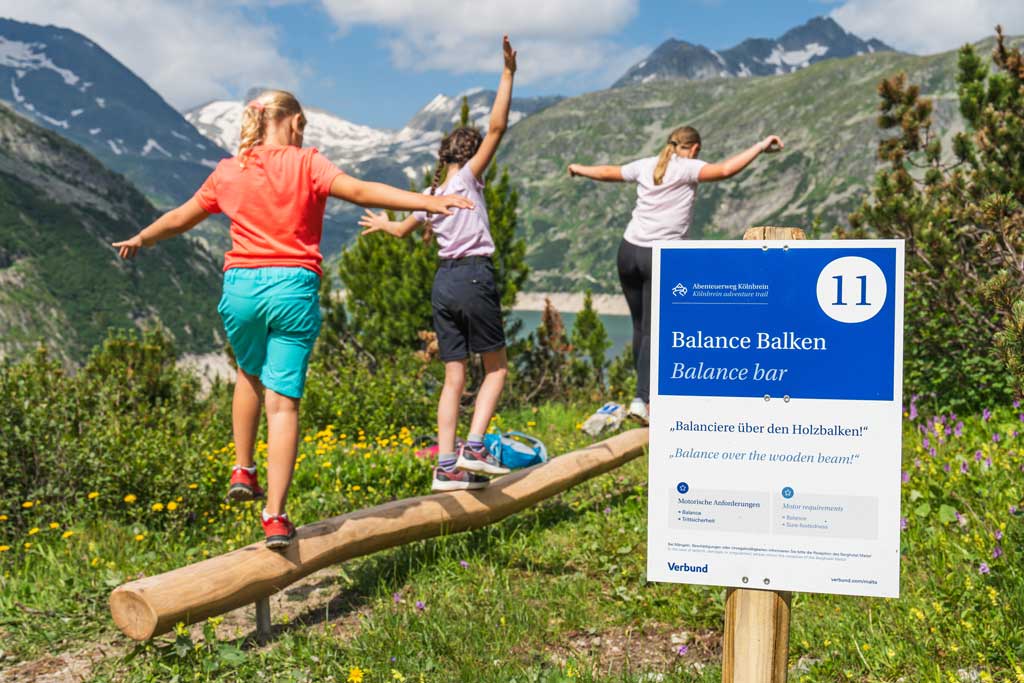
267, 517
250, 470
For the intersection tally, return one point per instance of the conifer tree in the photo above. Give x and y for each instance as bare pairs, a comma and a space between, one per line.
590, 342
963, 222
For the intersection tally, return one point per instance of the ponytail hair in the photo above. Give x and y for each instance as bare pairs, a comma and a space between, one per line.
682, 137
457, 147
271, 105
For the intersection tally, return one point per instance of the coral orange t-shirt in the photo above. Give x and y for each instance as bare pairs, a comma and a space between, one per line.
276, 205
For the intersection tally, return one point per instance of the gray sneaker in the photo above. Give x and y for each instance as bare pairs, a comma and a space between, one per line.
479, 460
457, 480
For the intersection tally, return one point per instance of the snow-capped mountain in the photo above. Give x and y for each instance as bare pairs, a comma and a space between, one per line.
378, 154
69, 84
818, 39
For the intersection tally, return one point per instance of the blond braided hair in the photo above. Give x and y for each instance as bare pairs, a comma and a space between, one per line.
271, 105
682, 137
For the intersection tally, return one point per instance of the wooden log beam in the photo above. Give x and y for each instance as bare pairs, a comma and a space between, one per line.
153, 605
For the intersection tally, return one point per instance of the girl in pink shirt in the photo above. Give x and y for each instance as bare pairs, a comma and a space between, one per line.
274, 192
467, 307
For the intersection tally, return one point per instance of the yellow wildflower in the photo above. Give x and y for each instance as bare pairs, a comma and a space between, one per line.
54, 525
27, 546
139, 537
27, 504
355, 675
172, 506
33, 531
67, 534
93, 495
130, 498
397, 675
3, 518
4, 548
158, 507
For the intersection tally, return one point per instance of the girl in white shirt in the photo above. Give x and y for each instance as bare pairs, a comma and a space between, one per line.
665, 195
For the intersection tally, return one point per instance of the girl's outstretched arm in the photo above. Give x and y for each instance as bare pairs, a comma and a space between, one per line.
499, 114
610, 174
733, 165
379, 222
381, 196
174, 222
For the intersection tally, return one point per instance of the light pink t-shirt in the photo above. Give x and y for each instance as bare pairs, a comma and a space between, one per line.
663, 212
467, 232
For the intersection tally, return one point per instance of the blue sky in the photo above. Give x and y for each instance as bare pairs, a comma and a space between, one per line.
377, 62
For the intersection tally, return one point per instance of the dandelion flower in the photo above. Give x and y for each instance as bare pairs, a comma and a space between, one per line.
4, 548
27, 546
27, 504
139, 537
130, 498
355, 675
193, 486
3, 518
33, 531
93, 495
158, 507
172, 506
67, 534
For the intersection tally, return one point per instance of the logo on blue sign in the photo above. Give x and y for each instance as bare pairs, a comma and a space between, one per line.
682, 487
787, 492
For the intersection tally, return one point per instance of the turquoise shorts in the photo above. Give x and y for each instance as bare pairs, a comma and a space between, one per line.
272, 317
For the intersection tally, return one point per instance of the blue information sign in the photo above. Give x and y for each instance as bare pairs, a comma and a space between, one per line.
803, 323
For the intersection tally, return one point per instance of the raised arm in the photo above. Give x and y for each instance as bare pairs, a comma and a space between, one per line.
733, 165
379, 222
381, 196
609, 174
174, 222
499, 114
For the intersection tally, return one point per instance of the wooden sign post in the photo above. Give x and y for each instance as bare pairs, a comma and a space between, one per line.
755, 648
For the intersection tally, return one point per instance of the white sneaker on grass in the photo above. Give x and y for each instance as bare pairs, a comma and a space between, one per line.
638, 410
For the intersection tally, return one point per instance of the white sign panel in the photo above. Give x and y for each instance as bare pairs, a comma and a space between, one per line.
776, 370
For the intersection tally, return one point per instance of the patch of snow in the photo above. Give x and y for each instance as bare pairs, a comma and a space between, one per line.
18, 97
718, 57
439, 103
94, 131
115, 147
469, 93
871, 48
179, 135
52, 121
780, 56
648, 78
744, 71
152, 144
31, 57
641, 65
411, 173
20, 73
76, 112
101, 102
209, 163
85, 86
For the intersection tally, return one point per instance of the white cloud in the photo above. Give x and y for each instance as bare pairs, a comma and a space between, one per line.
927, 26
554, 39
187, 50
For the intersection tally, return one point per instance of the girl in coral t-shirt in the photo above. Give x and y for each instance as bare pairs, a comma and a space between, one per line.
274, 191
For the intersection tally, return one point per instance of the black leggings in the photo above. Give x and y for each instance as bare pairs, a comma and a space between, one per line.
635, 275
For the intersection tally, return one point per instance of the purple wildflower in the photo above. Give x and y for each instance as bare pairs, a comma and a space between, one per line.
1021, 416
963, 467
997, 552
960, 519
931, 452
988, 463
1013, 509
397, 597
996, 437
607, 511
917, 463
998, 535
925, 443
903, 524
420, 605
986, 415
394, 659
682, 650
977, 456
464, 564
913, 407
1016, 404
906, 477
983, 568
958, 430
946, 467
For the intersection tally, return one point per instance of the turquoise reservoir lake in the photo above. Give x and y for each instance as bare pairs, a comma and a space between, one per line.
619, 327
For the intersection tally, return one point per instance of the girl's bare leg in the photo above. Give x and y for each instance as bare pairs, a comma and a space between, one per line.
282, 448
245, 416
448, 405
495, 369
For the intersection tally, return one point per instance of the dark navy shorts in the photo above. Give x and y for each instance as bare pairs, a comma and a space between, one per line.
467, 309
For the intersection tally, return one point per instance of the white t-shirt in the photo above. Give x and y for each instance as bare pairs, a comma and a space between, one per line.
663, 212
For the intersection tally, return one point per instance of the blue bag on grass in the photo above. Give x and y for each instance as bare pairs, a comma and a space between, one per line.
516, 450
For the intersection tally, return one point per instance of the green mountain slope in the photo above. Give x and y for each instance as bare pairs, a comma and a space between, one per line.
60, 281
825, 113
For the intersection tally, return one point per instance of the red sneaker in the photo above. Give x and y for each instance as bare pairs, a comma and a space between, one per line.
280, 531
244, 486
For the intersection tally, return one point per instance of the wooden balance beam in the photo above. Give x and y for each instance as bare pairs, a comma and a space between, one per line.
153, 605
